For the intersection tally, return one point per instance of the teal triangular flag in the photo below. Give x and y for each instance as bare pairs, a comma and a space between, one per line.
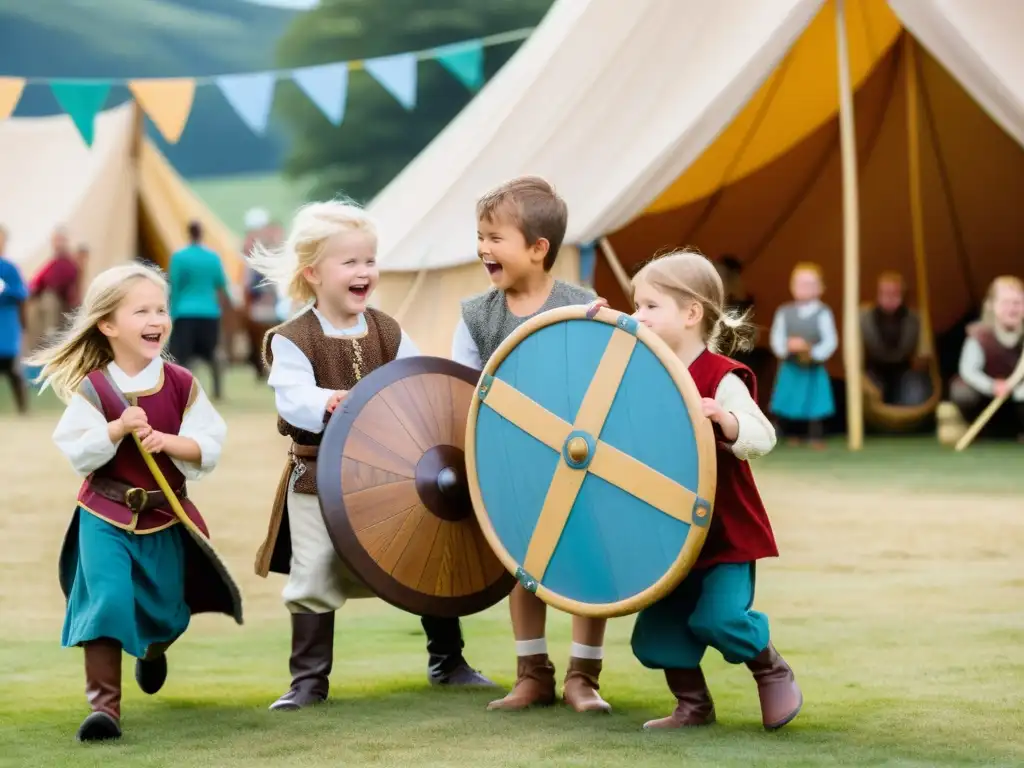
82, 101
397, 74
465, 61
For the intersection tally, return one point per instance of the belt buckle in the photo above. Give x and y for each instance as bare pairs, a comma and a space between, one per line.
136, 498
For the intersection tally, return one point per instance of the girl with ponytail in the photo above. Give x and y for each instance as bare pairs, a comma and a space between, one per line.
681, 298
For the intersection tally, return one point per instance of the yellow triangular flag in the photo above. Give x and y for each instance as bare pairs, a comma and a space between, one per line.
167, 102
10, 94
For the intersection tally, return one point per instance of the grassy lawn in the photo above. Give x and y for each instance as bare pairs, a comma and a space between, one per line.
897, 600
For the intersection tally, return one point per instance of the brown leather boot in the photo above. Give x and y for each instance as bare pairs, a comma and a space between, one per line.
780, 696
535, 684
580, 689
311, 660
694, 705
103, 690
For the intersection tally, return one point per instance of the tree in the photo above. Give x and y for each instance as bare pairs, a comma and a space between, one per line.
378, 137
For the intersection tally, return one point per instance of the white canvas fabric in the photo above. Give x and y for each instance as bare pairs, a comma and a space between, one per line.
608, 100
52, 178
979, 42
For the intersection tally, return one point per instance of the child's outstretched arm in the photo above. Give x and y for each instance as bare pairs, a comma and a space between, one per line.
87, 439
298, 399
825, 348
778, 338
196, 449
749, 432
464, 349
972, 367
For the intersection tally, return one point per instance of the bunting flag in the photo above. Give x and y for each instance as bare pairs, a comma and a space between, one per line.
465, 61
82, 101
10, 95
251, 96
327, 87
167, 102
397, 74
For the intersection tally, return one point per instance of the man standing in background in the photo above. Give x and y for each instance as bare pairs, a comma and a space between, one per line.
55, 288
198, 286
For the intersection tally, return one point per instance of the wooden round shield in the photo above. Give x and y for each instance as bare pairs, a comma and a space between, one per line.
591, 467
391, 476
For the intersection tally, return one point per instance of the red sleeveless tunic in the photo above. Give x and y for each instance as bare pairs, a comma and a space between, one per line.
165, 409
739, 531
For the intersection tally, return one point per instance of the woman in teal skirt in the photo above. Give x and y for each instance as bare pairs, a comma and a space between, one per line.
132, 571
803, 337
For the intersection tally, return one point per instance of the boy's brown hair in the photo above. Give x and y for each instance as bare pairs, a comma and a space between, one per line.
530, 204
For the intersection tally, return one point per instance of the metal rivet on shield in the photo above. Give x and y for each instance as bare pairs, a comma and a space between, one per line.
578, 449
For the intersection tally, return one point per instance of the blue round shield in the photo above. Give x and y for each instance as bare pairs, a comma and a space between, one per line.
590, 465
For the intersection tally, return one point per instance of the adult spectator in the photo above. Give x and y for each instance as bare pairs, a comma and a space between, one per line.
55, 288
892, 333
198, 286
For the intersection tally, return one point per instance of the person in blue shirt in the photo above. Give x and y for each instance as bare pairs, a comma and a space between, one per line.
13, 293
198, 286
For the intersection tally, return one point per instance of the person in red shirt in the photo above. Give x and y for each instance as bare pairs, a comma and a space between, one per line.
681, 298
60, 274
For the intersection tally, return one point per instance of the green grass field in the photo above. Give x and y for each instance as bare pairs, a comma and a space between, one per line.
229, 197
897, 600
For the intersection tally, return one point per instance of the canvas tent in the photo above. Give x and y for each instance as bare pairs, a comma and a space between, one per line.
120, 196
684, 122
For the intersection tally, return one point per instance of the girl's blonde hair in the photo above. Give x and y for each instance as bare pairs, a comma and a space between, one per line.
688, 275
314, 224
988, 315
82, 348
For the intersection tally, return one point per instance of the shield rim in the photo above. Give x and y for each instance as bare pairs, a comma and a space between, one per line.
332, 501
707, 475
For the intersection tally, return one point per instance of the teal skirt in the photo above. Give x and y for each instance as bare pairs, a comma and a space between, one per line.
802, 392
124, 586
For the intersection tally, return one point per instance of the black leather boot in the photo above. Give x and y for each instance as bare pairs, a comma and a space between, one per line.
447, 665
310, 662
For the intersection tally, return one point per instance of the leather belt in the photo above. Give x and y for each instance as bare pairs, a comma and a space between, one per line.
304, 451
136, 499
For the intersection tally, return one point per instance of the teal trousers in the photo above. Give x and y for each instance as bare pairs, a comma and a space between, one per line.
712, 607
125, 586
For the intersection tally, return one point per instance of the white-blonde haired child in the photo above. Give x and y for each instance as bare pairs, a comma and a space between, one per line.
126, 558
328, 262
680, 297
990, 354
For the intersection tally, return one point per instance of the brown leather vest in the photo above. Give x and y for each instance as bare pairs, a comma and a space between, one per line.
999, 360
338, 363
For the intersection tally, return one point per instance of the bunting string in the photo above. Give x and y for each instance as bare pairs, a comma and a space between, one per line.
168, 101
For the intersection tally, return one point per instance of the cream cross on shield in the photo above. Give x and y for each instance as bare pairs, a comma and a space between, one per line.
582, 451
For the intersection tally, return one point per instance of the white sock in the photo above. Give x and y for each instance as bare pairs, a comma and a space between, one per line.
531, 647
578, 651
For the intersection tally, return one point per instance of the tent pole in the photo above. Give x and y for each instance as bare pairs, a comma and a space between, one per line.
916, 207
852, 352
138, 130
620, 274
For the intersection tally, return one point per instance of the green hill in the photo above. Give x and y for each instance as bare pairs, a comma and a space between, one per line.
152, 38
119, 38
